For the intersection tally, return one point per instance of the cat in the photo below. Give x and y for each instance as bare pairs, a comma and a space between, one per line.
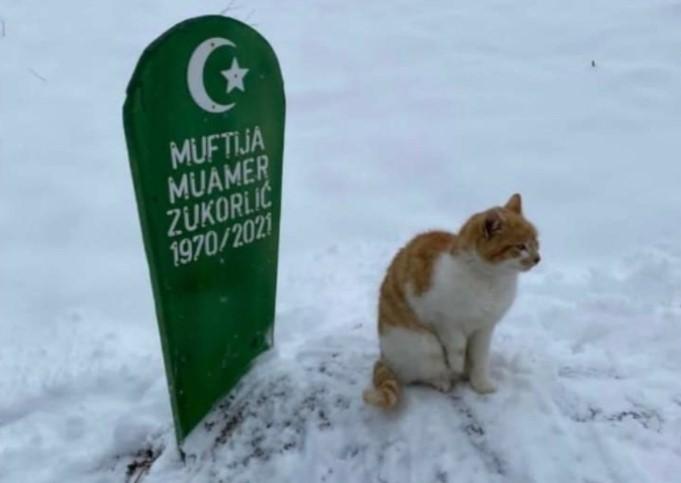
441, 298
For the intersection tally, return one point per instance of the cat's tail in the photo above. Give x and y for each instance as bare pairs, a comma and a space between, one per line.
385, 392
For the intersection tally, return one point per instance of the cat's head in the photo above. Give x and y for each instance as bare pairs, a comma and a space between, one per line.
502, 237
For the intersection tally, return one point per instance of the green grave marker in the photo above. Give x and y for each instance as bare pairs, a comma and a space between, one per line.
204, 124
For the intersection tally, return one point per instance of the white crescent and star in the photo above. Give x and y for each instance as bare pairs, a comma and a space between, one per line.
197, 62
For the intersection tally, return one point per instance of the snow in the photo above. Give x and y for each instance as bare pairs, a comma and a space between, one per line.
401, 117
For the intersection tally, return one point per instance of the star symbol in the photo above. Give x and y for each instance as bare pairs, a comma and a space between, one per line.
235, 76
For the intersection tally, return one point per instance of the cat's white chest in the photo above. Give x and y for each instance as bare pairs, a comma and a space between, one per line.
462, 295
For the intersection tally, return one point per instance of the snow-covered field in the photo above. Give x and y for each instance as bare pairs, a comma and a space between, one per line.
402, 116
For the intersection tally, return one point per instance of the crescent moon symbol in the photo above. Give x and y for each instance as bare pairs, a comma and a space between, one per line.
197, 62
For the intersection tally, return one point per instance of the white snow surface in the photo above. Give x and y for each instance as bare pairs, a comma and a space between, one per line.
401, 116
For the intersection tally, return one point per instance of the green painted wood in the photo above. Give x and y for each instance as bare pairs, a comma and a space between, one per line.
204, 124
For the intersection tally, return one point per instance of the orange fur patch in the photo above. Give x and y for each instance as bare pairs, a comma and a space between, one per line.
412, 266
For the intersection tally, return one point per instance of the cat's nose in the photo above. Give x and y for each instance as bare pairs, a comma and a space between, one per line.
537, 258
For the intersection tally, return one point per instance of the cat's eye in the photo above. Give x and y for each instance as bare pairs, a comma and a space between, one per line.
521, 246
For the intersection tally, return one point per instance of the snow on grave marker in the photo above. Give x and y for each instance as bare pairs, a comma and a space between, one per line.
204, 124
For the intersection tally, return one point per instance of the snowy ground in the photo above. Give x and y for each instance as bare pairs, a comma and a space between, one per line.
402, 116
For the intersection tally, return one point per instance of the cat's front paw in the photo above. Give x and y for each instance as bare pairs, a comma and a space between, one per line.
482, 385
442, 384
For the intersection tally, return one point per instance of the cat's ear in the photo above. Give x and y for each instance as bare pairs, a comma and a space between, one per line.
515, 204
492, 224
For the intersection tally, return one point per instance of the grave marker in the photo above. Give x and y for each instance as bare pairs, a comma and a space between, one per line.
204, 124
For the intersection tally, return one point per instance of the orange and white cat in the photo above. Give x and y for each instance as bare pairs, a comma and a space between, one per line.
441, 298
